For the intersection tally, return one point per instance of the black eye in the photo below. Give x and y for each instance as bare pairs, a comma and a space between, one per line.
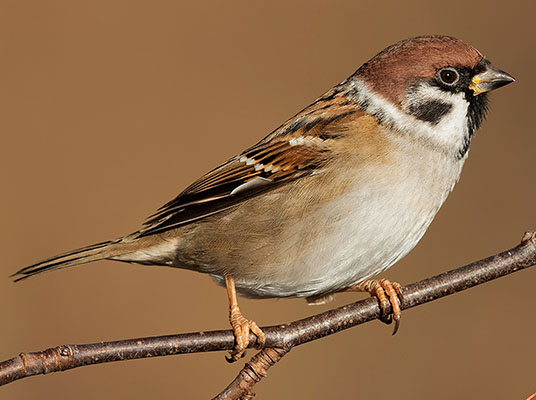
449, 76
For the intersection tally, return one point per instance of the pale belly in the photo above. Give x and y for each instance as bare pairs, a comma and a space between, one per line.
357, 236
348, 239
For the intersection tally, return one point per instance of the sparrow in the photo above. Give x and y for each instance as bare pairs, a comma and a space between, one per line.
334, 196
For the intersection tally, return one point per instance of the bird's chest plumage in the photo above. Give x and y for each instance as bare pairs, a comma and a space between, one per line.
371, 227
379, 216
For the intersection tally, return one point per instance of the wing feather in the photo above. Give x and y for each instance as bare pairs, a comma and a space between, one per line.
298, 148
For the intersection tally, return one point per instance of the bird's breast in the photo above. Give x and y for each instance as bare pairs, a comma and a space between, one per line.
374, 215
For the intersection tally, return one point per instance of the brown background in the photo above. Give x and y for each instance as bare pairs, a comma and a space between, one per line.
109, 108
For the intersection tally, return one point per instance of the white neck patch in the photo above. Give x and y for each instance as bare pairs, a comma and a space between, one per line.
449, 135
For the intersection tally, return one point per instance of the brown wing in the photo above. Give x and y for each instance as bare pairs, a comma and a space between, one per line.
298, 148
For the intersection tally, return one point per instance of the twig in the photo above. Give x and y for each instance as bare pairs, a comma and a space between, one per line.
242, 386
531, 397
281, 337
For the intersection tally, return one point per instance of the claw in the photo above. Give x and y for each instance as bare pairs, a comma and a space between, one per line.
389, 296
242, 327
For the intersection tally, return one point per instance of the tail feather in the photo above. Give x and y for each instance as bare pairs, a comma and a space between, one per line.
95, 252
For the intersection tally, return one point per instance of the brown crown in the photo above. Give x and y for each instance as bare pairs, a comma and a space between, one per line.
393, 70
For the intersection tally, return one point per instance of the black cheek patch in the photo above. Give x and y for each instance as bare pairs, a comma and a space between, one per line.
432, 111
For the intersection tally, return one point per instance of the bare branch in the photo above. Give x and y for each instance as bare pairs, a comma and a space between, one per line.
242, 386
277, 337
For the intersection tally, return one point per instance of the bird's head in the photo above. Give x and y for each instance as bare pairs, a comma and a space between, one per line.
433, 87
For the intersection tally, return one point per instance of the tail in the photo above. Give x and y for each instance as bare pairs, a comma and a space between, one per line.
95, 252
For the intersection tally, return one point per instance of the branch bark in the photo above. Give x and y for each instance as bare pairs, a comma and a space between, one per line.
256, 369
279, 339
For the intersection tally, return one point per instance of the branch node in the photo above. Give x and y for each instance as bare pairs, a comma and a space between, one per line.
529, 236
24, 358
65, 350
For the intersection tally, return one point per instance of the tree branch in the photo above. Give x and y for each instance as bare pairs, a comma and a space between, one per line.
279, 339
242, 386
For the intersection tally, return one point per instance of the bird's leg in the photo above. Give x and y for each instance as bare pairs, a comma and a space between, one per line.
241, 326
386, 292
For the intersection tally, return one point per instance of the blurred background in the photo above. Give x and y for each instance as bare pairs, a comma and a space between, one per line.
108, 109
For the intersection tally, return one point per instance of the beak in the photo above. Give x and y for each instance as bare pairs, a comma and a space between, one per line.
489, 79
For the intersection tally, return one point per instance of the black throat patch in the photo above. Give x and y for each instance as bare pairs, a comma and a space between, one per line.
476, 114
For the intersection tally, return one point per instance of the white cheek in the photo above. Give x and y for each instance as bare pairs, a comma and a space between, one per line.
449, 135
452, 130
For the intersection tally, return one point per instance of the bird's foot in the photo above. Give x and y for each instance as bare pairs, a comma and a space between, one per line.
389, 296
241, 327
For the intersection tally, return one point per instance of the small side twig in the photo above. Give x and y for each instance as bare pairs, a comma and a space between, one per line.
242, 386
532, 396
277, 337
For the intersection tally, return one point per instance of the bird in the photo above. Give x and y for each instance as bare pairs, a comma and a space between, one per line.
331, 198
